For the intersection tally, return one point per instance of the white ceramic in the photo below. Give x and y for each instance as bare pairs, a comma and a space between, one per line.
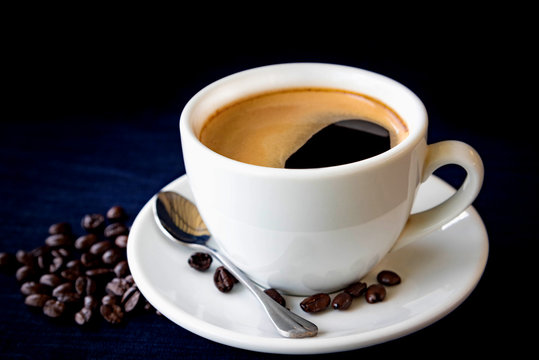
438, 272
310, 230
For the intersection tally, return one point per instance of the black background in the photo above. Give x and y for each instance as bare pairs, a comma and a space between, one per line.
89, 119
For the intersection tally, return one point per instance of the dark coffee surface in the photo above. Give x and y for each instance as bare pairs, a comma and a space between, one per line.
338, 145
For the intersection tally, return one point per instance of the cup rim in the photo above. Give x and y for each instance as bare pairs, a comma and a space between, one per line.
417, 128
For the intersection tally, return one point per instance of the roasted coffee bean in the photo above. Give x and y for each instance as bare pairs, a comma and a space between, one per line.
117, 286
342, 301
356, 289
121, 269
51, 280
90, 260
40, 251
64, 288
99, 272
90, 302
44, 261
115, 229
25, 273
116, 214
68, 297
129, 279
108, 299
131, 299
121, 241
223, 280
60, 228
200, 261
24, 258
53, 308
315, 303
83, 316
112, 313
32, 287
36, 300
375, 293
85, 285
70, 274
56, 264
58, 240
100, 247
274, 294
388, 278
85, 241
111, 256
93, 223
60, 252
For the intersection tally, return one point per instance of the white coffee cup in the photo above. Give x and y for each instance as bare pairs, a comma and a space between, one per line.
304, 231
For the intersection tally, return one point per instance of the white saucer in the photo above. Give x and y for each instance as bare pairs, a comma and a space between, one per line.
438, 273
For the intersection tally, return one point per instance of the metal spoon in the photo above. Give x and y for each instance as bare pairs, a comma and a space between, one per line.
180, 221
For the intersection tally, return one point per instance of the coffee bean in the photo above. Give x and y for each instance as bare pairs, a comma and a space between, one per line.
121, 269
53, 308
116, 214
64, 288
100, 247
90, 302
99, 272
25, 273
85, 241
60, 228
223, 279
58, 240
274, 294
68, 297
121, 241
342, 301
36, 300
108, 299
375, 293
129, 279
51, 280
90, 260
32, 287
83, 316
131, 299
60, 252
388, 278
70, 274
24, 258
356, 289
93, 223
112, 313
56, 265
315, 303
111, 256
117, 286
200, 261
115, 229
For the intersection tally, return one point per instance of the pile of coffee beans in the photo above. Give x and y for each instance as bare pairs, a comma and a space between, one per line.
80, 277
224, 281
373, 293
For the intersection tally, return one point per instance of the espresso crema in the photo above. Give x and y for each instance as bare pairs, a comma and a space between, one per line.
267, 129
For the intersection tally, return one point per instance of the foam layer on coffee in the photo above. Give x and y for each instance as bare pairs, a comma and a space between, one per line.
267, 129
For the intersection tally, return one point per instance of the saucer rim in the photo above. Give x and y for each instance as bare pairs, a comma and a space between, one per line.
315, 345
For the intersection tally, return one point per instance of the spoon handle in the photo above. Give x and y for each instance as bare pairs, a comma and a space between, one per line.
287, 323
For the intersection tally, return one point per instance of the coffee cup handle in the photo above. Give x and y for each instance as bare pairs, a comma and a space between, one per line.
438, 155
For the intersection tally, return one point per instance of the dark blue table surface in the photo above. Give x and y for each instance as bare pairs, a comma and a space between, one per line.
92, 123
